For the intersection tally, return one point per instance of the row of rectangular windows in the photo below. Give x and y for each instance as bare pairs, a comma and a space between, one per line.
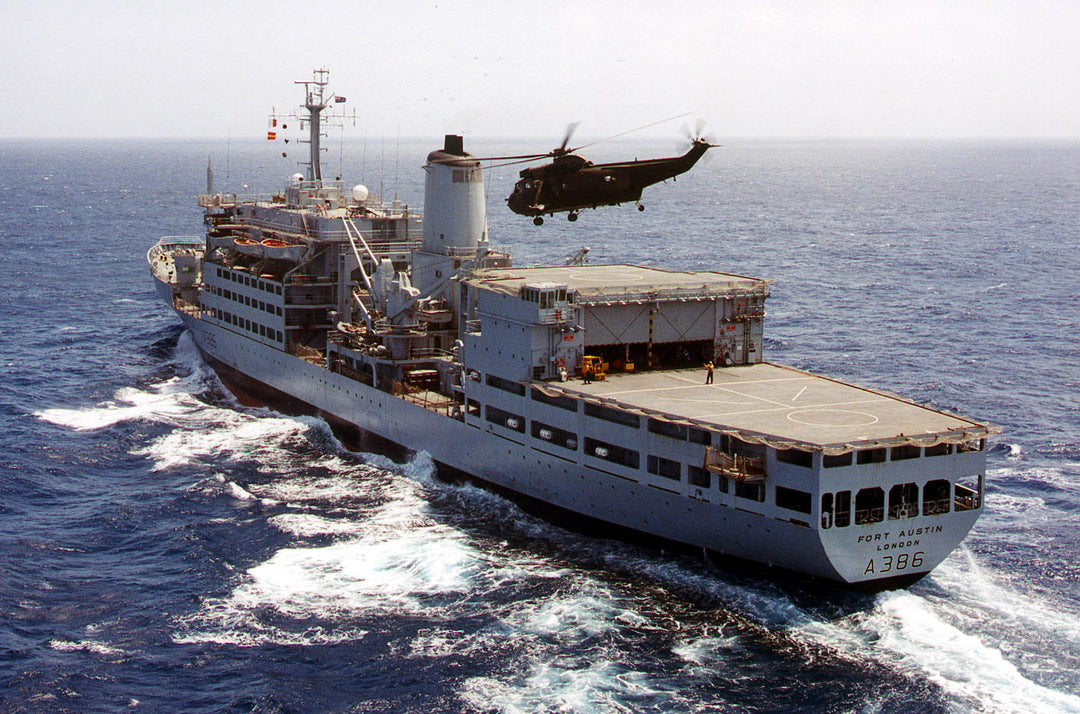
656, 465
244, 300
939, 496
251, 282
896, 453
599, 411
253, 327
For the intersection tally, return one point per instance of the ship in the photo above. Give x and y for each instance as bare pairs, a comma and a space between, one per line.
631, 397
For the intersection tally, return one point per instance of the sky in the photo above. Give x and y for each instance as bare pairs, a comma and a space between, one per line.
510, 68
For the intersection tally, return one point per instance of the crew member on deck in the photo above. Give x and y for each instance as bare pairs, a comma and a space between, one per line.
708, 372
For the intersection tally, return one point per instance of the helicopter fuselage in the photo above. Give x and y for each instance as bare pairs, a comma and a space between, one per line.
571, 183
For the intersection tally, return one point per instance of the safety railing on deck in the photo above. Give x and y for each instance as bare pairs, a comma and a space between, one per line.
734, 466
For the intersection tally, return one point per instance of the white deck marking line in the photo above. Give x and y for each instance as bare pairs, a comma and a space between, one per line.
692, 384
714, 415
800, 392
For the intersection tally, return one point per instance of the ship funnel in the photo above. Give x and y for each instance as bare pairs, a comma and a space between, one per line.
455, 216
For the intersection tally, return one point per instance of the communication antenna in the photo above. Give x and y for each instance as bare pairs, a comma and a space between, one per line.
316, 99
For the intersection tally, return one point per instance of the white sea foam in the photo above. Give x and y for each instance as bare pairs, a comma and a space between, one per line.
397, 561
128, 404
706, 651
569, 617
91, 646
170, 401
571, 685
224, 434
917, 635
308, 525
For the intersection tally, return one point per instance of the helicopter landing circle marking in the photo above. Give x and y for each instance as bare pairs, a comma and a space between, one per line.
832, 417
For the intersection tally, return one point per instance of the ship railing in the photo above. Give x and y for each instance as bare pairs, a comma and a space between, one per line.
182, 305
621, 296
870, 515
748, 313
934, 508
181, 241
734, 466
231, 200
554, 316
432, 401
429, 352
382, 241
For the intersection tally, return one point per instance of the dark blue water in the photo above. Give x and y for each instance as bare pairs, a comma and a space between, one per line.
164, 549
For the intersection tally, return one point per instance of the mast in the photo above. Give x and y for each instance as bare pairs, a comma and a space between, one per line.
315, 102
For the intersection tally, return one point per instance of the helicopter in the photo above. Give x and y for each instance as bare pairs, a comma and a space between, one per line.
571, 182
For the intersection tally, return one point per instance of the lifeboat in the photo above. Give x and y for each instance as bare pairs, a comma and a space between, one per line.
282, 250
247, 246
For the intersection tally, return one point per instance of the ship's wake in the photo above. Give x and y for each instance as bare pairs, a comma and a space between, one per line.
527, 616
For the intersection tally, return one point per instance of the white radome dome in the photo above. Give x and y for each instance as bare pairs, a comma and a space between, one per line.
360, 193
297, 177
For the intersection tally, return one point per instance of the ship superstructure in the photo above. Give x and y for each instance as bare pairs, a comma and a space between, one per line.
579, 386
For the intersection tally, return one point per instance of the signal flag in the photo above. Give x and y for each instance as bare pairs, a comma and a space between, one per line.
271, 135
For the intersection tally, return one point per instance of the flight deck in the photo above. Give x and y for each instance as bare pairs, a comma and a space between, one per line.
786, 404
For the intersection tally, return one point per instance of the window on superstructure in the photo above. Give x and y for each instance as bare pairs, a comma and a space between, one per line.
506, 419
870, 456
903, 501
506, 385
667, 468
697, 476
612, 453
905, 451
699, 436
869, 506
939, 450
843, 509
796, 457
554, 435
935, 498
968, 493
667, 428
561, 401
793, 499
750, 490
616, 416
472, 408
830, 461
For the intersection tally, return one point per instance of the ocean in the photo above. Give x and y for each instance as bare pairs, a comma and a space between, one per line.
164, 548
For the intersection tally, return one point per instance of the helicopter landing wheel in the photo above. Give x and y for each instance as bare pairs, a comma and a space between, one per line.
538, 221
572, 216
641, 207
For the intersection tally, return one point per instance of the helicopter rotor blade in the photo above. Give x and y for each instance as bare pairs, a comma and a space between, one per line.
570, 129
515, 159
628, 131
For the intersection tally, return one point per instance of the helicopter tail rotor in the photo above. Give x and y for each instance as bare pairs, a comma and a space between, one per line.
698, 131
